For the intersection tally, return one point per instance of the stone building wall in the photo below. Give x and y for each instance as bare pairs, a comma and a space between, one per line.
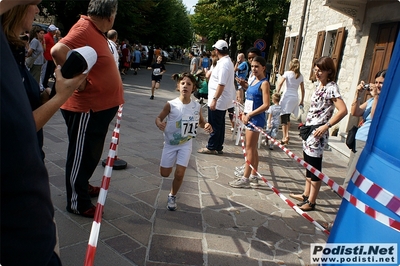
358, 47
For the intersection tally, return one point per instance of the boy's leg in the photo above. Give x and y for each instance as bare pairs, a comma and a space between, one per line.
178, 179
157, 85
153, 84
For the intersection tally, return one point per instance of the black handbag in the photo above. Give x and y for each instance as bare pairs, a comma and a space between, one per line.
305, 131
351, 138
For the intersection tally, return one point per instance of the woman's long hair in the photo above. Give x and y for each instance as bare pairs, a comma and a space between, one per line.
11, 20
294, 66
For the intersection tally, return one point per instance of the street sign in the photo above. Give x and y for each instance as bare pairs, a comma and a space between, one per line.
260, 44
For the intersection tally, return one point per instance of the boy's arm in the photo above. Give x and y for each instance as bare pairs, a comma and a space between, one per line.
269, 119
160, 123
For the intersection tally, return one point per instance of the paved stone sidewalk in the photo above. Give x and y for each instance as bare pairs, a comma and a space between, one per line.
214, 224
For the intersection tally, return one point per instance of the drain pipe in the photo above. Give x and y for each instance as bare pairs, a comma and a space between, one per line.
303, 17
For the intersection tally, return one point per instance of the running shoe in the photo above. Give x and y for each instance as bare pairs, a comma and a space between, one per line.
240, 183
172, 206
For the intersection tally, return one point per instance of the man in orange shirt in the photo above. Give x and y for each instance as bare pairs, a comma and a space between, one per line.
89, 111
49, 43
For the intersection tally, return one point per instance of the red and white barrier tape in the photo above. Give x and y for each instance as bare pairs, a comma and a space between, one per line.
277, 192
382, 218
94, 233
381, 195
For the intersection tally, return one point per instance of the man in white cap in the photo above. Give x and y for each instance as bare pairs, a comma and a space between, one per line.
49, 66
221, 93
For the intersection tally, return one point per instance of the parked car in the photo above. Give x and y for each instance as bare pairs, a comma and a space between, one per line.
41, 25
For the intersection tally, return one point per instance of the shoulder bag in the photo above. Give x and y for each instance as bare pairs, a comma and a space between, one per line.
351, 138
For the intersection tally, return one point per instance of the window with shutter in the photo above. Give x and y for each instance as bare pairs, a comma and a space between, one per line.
319, 45
337, 50
296, 47
284, 55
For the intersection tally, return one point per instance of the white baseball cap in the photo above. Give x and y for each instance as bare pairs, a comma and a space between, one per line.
52, 28
221, 45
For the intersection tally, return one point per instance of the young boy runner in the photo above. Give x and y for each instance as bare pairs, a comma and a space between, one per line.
182, 118
158, 69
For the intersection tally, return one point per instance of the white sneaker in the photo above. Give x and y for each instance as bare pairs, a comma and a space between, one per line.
253, 180
238, 168
239, 173
172, 206
240, 183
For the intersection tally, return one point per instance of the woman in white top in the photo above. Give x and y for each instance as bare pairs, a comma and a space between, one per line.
290, 98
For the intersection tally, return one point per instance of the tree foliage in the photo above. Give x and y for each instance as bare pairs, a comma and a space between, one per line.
241, 21
161, 22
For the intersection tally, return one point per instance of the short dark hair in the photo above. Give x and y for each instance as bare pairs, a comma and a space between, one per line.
381, 73
224, 51
254, 50
326, 63
196, 79
102, 8
260, 60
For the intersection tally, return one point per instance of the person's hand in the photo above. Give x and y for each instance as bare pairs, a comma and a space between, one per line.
213, 105
245, 118
319, 132
360, 87
241, 81
374, 90
65, 87
161, 125
208, 128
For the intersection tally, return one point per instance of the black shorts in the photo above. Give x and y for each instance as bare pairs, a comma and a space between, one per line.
314, 161
285, 119
156, 78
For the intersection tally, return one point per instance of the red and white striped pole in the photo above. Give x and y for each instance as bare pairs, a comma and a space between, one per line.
94, 233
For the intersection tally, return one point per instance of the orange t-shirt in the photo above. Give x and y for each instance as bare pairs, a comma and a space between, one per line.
104, 85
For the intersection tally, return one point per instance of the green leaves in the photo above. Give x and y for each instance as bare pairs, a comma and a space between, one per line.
246, 20
161, 22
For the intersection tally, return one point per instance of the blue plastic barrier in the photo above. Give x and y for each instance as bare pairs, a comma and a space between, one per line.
380, 163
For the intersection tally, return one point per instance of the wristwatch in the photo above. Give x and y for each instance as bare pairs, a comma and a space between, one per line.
215, 98
328, 124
